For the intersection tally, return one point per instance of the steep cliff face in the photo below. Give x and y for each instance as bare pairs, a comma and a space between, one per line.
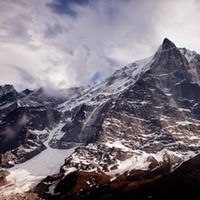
143, 121
8, 99
16, 128
143, 117
155, 115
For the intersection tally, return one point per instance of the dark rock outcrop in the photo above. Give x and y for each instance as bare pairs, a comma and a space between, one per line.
21, 115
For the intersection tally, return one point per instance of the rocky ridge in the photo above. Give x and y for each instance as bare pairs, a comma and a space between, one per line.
143, 121
25, 121
155, 115
145, 117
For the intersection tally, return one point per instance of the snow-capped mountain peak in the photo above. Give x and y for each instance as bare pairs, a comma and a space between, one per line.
143, 118
168, 45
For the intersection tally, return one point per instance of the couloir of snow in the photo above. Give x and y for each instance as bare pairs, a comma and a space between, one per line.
23, 177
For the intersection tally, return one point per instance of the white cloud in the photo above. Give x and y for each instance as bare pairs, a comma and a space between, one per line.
40, 47
179, 21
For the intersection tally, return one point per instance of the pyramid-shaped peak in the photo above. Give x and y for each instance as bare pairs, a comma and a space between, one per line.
167, 44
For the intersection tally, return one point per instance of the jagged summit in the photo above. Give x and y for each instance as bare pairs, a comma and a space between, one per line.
168, 44
170, 64
4, 89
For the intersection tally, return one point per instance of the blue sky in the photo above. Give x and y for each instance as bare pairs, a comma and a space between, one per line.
66, 43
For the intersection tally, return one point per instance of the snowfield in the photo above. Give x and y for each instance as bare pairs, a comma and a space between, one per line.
23, 177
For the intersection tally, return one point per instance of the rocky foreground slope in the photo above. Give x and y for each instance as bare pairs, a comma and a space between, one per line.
133, 128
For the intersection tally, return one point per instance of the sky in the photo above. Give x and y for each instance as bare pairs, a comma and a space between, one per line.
68, 43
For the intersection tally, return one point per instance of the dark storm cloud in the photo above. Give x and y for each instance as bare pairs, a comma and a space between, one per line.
66, 7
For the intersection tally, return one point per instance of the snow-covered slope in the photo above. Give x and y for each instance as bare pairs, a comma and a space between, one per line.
114, 85
24, 177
